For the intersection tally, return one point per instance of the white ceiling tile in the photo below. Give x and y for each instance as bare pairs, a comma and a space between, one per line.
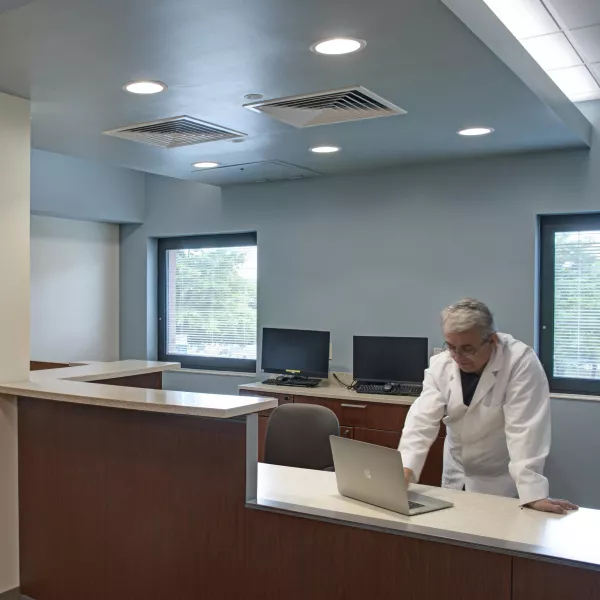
576, 13
575, 82
596, 69
552, 51
587, 41
524, 18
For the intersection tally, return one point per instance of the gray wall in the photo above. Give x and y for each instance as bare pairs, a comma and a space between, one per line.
72, 188
382, 253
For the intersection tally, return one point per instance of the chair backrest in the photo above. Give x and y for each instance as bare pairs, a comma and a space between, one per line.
298, 436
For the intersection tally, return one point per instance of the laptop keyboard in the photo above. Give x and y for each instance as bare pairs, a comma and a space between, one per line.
414, 505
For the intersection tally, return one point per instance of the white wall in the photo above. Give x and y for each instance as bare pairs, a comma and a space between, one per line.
14, 314
74, 290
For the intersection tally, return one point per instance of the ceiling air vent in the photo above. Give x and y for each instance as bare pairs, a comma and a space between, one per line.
175, 132
322, 108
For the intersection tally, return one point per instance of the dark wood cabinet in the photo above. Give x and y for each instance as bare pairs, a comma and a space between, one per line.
282, 398
538, 580
389, 439
371, 422
326, 402
434, 465
347, 432
388, 417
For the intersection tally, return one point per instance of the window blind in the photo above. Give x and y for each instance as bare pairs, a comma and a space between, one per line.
577, 304
211, 302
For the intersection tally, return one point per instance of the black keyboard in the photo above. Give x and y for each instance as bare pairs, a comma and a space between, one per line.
414, 505
396, 389
305, 383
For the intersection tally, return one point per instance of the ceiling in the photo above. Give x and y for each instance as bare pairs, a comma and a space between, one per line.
72, 57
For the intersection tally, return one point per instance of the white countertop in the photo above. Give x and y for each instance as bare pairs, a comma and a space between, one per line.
476, 519
328, 390
70, 384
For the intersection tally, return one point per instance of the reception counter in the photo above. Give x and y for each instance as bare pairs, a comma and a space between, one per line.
133, 494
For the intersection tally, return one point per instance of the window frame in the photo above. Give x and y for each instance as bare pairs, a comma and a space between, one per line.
207, 363
548, 227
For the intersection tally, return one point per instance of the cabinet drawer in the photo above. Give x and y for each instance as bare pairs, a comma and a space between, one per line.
347, 432
389, 439
282, 398
386, 417
326, 402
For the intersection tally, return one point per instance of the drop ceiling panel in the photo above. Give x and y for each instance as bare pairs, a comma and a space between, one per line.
596, 69
588, 42
524, 18
552, 51
579, 80
577, 13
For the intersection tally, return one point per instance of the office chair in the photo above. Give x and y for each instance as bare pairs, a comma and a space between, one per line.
298, 436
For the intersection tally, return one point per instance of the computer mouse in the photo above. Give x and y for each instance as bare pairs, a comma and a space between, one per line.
388, 387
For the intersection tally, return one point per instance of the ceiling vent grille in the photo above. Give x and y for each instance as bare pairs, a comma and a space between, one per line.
175, 132
323, 108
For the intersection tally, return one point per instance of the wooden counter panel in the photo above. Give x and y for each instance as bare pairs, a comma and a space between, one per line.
538, 580
295, 558
37, 365
152, 381
127, 505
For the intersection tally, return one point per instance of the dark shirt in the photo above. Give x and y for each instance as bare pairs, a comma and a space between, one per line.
469, 382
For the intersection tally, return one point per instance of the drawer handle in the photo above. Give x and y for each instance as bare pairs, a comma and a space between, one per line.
354, 406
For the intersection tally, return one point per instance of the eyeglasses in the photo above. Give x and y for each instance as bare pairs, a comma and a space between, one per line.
466, 351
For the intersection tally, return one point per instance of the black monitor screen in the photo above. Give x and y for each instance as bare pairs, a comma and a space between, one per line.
390, 359
296, 352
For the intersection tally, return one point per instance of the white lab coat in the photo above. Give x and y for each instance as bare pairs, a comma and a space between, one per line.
497, 445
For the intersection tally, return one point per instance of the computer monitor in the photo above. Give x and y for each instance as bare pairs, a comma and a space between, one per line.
390, 359
296, 352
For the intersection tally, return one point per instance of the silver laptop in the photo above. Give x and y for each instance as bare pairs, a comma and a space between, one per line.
375, 475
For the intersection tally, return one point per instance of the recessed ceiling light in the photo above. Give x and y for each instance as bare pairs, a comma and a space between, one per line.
338, 46
206, 165
474, 131
145, 87
325, 149
254, 96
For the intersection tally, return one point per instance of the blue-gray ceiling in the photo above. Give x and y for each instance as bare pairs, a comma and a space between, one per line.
71, 57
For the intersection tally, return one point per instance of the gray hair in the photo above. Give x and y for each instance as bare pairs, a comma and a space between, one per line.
467, 314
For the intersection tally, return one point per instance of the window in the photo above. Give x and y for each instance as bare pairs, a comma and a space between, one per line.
207, 301
570, 302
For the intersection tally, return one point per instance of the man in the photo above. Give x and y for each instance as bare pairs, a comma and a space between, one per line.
492, 394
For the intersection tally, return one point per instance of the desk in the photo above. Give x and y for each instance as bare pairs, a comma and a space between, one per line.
372, 418
143, 500
485, 547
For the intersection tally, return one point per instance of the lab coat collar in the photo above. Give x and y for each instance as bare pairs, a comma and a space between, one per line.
487, 381
488, 377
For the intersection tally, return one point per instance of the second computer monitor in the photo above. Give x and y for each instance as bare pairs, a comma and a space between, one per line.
295, 352
390, 359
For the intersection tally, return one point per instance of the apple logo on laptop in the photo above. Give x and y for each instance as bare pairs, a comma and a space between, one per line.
368, 473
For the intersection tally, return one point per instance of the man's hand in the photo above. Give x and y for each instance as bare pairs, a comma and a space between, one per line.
560, 507
409, 476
